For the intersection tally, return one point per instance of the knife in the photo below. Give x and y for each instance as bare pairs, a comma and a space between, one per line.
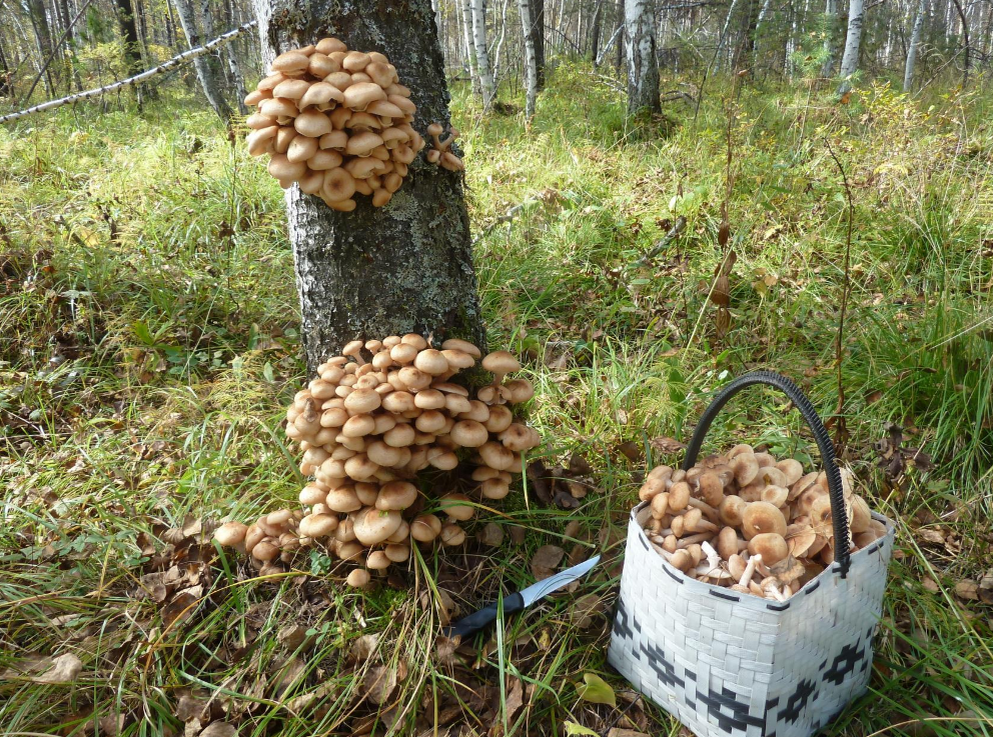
522, 599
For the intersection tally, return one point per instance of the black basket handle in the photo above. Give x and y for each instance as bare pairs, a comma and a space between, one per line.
791, 390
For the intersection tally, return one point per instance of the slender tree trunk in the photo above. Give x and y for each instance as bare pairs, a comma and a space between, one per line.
965, 43
498, 53
209, 80
595, 31
642, 64
853, 43
830, 32
530, 65
470, 47
406, 267
482, 54
6, 88
537, 31
132, 46
759, 24
43, 35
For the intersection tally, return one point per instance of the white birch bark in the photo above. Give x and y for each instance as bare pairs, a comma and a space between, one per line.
530, 61
470, 48
486, 86
853, 42
642, 64
206, 72
830, 26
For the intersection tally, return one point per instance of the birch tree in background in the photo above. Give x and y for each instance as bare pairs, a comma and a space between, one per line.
830, 33
478, 11
915, 42
470, 46
642, 64
403, 268
530, 63
206, 72
853, 42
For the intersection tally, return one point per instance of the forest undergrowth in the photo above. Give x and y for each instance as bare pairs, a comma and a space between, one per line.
148, 346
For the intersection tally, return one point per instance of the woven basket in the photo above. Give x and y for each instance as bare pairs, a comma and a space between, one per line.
725, 663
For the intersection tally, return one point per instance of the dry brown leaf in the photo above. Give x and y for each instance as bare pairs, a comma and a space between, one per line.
364, 647
929, 585
618, 732
219, 729
293, 636
491, 535
515, 697
111, 725
931, 535
190, 707
545, 561
379, 683
64, 669
182, 605
967, 589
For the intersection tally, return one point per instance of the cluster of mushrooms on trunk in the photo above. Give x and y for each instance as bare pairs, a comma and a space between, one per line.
338, 123
366, 427
749, 522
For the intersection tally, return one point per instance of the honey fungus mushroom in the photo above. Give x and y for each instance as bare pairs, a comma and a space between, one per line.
339, 121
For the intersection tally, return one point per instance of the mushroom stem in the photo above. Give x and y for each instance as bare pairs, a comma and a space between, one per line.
694, 539
746, 577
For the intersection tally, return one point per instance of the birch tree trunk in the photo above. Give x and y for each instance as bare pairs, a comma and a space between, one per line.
43, 34
595, 31
206, 73
643, 68
853, 43
530, 64
537, 31
482, 54
830, 31
470, 47
915, 42
132, 45
406, 267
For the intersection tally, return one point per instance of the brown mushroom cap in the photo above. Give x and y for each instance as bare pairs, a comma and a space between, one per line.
469, 434
746, 468
431, 361
339, 185
396, 495
760, 518
373, 526
318, 525
343, 499
501, 363
425, 528
358, 578
498, 418
455, 344
770, 545
358, 96
291, 61
452, 535
727, 543
231, 534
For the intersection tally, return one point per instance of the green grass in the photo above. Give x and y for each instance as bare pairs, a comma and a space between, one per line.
148, 320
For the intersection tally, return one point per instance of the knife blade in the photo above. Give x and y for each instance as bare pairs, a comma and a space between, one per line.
522, 599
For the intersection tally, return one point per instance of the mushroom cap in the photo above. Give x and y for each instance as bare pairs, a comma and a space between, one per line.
339, 185
359, 95
291, 89
499, 418
745, 467
330, 45
452, 535
291, 61
727, 543
457, 506
495, 488
361, 143
343, 499
373, 526
384, 109
336, 140
456, 344
355, 61
469, 433
358, 578
435, 129
396, 495
281, 167
859, 514
279, 107
360, 468
495, 455
770, 545
265, 550
312, 123
501, 362
358, 425
792, 469
800, 538
400, 436
517, 437
397, 552
760, 518
231, 533
318, 525
679, 496
520, 390
775, 495
425, 528
431, 361
301, 149
429, 399
362, 401
324, 161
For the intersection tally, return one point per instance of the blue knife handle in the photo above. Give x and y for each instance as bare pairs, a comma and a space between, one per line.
478, 620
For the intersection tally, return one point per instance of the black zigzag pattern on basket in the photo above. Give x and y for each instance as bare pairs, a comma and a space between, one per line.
657, 661
797, 701
621, 626
850, 657
726, 699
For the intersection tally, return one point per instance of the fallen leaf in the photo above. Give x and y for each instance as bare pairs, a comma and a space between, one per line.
631, 450
584, 609
667, 446
579, 466
219, 729
64, 669
364, 647
491, 535
515, 698
546, 560
618, 732
293, 636
596, 690
967, 589
578, 730
379, 683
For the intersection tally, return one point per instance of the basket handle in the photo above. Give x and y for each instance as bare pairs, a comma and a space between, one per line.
791, 390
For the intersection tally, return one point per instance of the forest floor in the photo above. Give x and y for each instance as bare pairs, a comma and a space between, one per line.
148, 347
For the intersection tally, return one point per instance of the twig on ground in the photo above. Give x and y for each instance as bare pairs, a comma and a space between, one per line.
674, 232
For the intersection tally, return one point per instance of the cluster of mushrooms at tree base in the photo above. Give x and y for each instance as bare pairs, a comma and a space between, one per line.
745, 521
338, 123
375, 417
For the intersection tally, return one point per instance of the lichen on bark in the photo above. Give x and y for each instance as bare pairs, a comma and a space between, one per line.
406, 267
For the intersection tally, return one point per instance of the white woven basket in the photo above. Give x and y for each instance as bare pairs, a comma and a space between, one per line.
725, 663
